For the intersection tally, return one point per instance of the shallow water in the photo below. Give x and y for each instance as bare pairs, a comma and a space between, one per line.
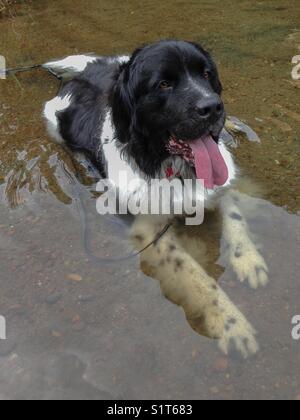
77, 330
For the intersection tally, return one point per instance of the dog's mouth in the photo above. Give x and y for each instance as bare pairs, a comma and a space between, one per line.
204, 155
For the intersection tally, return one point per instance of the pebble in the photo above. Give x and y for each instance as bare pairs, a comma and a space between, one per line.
56, 334
85, 299
76, 318
16, 310
53, 298
74, 277
79, 326
214, 390
195, 354
221, 364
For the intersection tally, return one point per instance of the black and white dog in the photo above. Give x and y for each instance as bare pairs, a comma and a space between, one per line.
159, 114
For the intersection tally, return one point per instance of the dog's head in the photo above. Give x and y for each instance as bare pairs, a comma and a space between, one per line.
169, 90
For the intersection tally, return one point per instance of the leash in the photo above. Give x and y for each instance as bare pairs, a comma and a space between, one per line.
15, 70
12, 71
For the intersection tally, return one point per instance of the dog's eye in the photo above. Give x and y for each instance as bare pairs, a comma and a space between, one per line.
165, 85
207, 75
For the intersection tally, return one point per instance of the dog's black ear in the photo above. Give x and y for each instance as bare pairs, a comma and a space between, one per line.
122, 102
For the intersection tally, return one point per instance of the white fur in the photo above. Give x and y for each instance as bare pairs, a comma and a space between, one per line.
50, 113
117, 164
122, 59
73, 64
232, 169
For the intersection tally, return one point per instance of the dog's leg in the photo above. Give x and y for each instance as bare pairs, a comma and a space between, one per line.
184, 282
243, 255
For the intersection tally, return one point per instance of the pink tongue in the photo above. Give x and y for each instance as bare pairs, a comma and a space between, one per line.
209, 163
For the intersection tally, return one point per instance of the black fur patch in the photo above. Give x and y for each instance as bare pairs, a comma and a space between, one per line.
238, 253
236, 216
179, 263
139, 238
172, 248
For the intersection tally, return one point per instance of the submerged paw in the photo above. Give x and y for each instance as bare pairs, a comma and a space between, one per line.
250, 267
239, 336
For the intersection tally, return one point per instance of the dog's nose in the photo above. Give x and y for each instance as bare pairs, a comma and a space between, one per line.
210, 107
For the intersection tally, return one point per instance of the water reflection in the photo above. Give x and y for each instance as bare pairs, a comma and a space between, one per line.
113, 324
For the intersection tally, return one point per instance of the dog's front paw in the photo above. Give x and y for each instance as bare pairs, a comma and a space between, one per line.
239, 335
250, 266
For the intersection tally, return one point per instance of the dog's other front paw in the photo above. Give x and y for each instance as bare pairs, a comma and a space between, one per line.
250, 266
239, 335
